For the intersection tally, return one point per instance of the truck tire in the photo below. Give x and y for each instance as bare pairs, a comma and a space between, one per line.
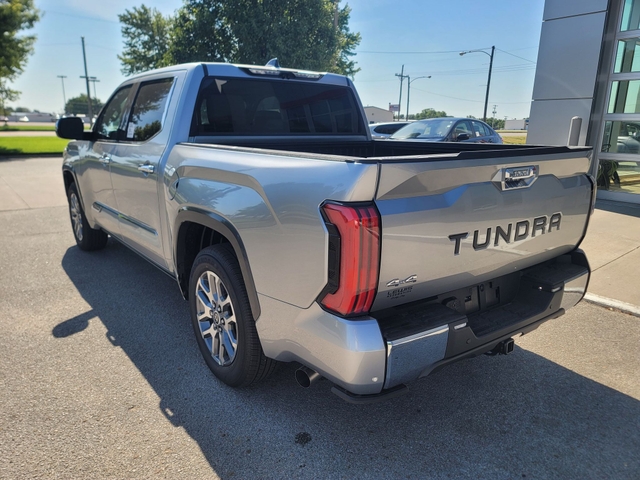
222, 321
87, 238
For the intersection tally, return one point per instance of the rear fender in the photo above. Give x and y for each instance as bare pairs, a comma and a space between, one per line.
228, 231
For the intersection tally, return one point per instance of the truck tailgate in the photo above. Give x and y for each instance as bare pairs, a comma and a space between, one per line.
454, 221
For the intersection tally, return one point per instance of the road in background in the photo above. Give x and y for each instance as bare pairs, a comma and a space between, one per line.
100, 376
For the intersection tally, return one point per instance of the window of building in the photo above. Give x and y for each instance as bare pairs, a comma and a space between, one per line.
624, 97
630, 15
628, 56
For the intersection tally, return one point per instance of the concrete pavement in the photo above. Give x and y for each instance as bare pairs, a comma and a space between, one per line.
100, 377
612, 243
28, 133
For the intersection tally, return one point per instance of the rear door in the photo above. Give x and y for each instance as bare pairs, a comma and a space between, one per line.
456, 221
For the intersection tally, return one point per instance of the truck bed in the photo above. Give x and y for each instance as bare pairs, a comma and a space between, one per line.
382, 150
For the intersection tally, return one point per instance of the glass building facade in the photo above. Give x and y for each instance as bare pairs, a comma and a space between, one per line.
589, 66
619, 145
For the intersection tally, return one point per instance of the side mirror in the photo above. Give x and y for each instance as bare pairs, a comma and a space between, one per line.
71, 128
462, 136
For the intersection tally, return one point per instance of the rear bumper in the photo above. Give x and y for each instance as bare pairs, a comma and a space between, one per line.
545, 292
373, 355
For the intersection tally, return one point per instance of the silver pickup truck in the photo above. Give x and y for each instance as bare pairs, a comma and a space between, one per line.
296, 237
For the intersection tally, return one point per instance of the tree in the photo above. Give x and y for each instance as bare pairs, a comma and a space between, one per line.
201, 33
308, 34
496, 123
430, 113
6, 95
78, 105
305, 34
15, 16
146, 39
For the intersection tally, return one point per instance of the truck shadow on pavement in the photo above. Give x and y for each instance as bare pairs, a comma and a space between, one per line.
521, 416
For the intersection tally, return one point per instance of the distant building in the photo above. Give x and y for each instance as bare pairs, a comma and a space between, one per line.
589, 66
522, 124
32, 117
377, 115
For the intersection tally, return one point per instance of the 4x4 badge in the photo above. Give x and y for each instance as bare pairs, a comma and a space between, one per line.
397, 282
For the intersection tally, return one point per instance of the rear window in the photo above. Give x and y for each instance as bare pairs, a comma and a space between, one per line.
232, 106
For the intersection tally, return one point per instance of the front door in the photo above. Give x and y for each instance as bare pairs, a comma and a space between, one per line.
135, 170
94, 169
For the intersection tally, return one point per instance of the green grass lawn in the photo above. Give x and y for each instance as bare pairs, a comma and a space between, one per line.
519, 140
28, 128
31, 145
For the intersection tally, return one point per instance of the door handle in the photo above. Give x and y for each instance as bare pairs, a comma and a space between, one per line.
105, 159
147, 168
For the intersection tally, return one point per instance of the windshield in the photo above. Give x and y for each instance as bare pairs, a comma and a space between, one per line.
435, 128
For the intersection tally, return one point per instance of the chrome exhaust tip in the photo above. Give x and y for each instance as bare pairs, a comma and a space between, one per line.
306, 377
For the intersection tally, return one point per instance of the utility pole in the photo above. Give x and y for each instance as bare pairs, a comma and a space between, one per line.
64, 96
335, 25
493, 119
402, 77
86, 77
94, 80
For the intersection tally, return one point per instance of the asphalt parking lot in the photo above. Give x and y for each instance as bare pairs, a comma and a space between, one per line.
100, 377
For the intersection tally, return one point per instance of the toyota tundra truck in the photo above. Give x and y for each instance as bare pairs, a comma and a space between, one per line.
295, 237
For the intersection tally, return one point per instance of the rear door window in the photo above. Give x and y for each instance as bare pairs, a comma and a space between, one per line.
241, 106
148, 110
480, 130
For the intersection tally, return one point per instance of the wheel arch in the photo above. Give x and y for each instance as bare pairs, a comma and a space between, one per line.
69, 177
196, 229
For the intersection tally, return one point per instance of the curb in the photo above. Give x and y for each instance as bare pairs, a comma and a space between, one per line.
611, 303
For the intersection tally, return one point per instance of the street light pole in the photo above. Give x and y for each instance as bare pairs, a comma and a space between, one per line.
409, 90
64, 96
486, 98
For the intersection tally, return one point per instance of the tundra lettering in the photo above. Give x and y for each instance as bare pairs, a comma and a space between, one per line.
520, 228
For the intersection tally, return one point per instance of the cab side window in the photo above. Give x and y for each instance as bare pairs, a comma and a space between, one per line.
148, 110
108, 123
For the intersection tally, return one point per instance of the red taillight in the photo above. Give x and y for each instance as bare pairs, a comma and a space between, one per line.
358, 258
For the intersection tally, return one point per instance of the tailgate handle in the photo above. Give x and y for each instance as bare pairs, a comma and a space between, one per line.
513, 178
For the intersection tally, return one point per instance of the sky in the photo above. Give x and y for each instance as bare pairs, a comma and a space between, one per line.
426, 36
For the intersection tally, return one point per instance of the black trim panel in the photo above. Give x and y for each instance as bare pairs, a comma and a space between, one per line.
224, 227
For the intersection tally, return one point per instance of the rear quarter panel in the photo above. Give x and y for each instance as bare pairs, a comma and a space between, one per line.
273, 201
